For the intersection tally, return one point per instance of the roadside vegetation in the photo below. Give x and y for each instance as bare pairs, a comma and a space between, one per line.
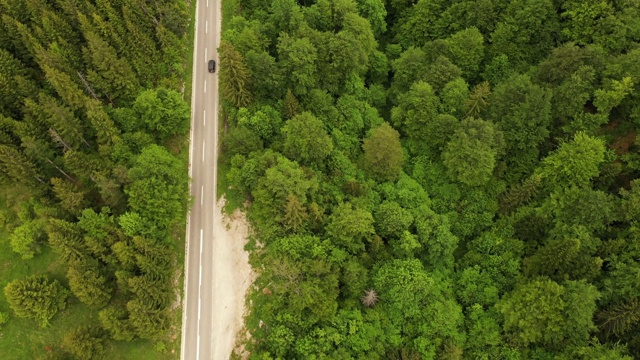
437, 179
94, 127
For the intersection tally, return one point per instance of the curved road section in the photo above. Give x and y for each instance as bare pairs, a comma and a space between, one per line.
198, 327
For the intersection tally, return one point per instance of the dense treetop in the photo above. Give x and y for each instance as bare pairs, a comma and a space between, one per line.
438, 179
92, 126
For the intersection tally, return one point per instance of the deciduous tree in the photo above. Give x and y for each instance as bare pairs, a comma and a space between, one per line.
471, 155
306, 139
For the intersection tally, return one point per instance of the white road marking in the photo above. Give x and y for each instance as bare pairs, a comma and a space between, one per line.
204, 118
201, 195
203, 144
206, 59
198, 346
206, 27
207, 3
205, 86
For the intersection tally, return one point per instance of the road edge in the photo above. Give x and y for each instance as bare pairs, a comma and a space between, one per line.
187, 231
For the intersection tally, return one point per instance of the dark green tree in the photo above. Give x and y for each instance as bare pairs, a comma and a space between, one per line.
383, 156
36, 297
86, 342
235, 77
88, 282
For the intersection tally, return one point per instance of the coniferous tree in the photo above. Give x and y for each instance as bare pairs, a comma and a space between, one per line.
235, 77
18, 167
36, 297
88, 283
295, 214
86, 342
383, 153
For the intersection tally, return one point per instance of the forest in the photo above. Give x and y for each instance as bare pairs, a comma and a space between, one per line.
437, 179
94, 123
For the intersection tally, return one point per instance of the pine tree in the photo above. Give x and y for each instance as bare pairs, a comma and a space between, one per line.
153, 257
66, 240
36, 297
106, 130
295, 214
109, 74
10, 95
63, 120
86, 342
290, 105
18, 167
88, 283
151, 290
115, 321
619, 319
235, 77
72, 198
141, 49
69, 91
478, 100
520, 194
148, 321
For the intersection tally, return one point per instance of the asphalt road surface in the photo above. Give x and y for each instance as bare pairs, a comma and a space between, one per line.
198, 340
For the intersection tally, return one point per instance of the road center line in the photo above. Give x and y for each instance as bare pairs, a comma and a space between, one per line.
203, 145
204, 118
206, 58
206, 27
201, 195
205, 86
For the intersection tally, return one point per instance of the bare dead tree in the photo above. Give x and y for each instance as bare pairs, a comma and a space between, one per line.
370, 298
146, 11
88, 86
55, 136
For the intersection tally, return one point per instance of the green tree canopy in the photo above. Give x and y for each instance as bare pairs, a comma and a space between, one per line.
306, 139
471, 155
545, 312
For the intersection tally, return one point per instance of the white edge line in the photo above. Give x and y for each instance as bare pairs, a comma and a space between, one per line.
186, 241
217, 33
198, 348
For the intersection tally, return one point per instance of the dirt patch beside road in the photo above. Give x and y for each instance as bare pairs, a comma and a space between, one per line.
232, 277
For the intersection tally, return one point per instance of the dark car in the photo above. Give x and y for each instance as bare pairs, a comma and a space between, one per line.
212, 66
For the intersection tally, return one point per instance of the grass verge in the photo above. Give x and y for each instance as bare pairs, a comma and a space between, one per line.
24, 339
234, 200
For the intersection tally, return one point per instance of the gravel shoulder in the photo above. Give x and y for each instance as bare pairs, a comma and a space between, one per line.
232, 277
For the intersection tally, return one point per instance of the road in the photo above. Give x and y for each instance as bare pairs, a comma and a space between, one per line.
198, 340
